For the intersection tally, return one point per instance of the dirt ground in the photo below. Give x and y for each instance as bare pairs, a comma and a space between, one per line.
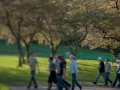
54, 88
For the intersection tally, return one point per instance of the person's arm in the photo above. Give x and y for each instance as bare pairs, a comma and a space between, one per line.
52, 68
63, 67
110, 68
75, 68
63, 73
37, 67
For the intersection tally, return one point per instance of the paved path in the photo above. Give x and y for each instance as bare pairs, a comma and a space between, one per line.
84, 88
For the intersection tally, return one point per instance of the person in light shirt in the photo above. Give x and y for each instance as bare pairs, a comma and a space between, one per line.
118, 66
74, 72
107, 72
118, 75
33, 64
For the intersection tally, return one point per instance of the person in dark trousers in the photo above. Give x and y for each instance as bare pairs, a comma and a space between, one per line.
65, 82
101, 69
118, 75
52, 76
107, 72
32, 62
116, 78
60, 73
74, 72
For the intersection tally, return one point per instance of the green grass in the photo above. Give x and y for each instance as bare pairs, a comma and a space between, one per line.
11, 74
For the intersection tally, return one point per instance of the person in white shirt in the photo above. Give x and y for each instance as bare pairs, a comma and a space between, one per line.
118, 66
107, 72
74, 72
118, 75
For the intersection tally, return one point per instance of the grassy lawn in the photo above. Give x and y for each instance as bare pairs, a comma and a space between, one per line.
10, 74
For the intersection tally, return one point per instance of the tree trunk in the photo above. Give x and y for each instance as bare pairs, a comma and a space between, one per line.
27, 46
114, 53
22, 55
53, 49
74, 52
19, 52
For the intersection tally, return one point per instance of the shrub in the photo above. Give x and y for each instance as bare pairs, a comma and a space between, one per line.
3, 87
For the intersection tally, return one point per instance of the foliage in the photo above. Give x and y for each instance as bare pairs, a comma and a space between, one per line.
106, 27
3, 87
51, 22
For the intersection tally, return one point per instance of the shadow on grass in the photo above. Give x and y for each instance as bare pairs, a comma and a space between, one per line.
19, 77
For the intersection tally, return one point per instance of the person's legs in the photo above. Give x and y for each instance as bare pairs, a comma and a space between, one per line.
106, 78
115, 81
78, 84
103, 74
34, 79
49, 82
119, 81
59, 82
31, 79
109, 78
75, 82
97, 78
66, 83
49, 86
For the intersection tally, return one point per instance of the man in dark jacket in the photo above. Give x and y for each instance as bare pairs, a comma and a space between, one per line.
101, 69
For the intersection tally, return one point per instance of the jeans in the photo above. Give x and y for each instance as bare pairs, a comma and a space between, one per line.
118, 75
32, 79
74, 81
66, 83
107, 78
115, 81
99, 74
60, 83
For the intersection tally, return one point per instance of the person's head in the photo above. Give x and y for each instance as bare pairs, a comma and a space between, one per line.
32, 54
106, 60
59, 58
99, 59
72, 57
52, 55
118, 61
117, 58
50, 59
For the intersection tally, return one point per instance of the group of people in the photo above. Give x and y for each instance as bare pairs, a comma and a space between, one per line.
105, 69
57, 69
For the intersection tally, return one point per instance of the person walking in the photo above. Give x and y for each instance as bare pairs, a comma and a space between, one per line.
64, 81
116, 78
101, 69
52, 76
60, 73
118, 75
74, 72
107, 72
32, 62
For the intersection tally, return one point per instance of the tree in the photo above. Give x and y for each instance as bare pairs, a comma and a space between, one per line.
53, 15
14, 12
106, 28
80, 23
